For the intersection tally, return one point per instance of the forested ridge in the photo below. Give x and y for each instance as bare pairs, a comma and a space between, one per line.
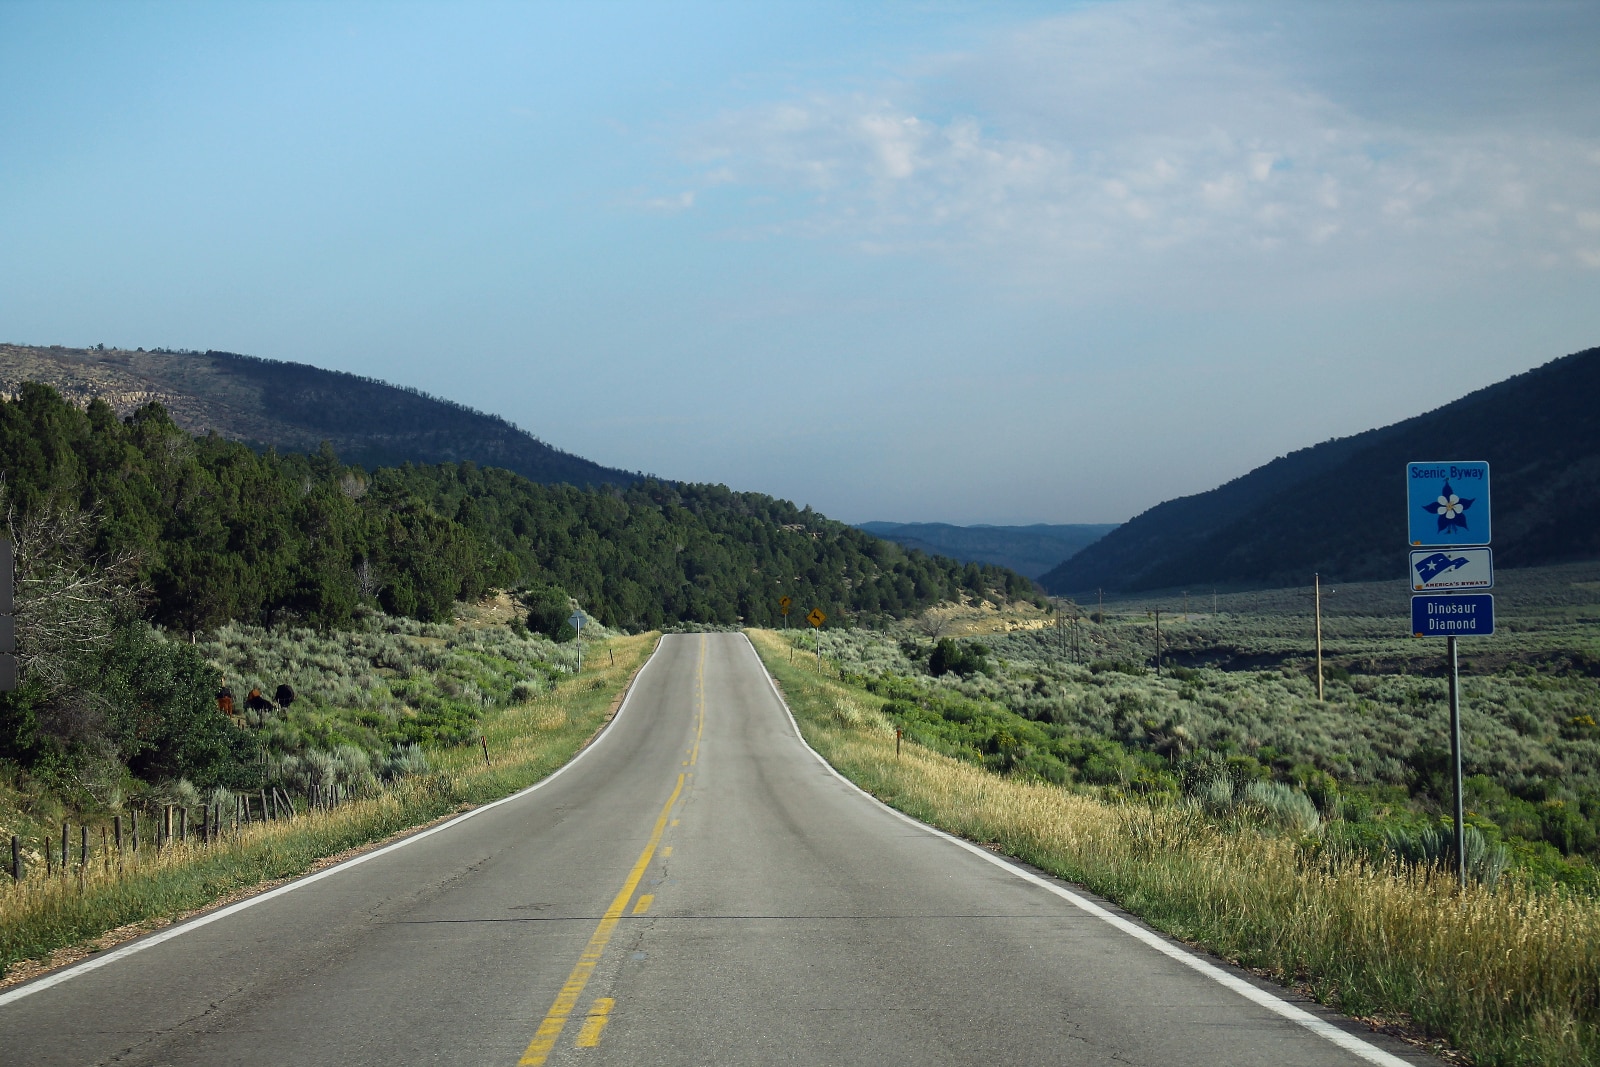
219, 532
293, 407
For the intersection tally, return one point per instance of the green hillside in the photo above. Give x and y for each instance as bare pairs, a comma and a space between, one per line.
216, 532
1338, 508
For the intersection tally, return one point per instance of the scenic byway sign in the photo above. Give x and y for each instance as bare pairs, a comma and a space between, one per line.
1447, 504
1447, 523
1453, 568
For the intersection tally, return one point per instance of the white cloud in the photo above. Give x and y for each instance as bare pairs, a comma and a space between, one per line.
672, 204
1126, 136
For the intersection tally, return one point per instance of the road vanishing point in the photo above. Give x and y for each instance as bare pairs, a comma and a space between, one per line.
697, 887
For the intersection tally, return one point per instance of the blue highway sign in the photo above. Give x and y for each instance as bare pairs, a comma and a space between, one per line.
1451, 568
1447, 504
1461, 615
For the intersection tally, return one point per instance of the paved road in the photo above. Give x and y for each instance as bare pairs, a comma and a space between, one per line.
696, 889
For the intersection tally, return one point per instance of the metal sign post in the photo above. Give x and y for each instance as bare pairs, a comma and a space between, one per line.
1448, 520
576, 620
816, 618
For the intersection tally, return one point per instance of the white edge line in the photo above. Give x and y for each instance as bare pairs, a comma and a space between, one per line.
38, 985
1293, 1012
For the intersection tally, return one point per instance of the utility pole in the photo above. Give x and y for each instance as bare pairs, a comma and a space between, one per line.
1317, 593
1157, 614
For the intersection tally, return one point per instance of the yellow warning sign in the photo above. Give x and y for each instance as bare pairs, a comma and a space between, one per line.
816, 618
783, 604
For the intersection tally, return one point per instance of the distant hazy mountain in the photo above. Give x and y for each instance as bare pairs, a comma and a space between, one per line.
1338, 508
1028, 550
295, 407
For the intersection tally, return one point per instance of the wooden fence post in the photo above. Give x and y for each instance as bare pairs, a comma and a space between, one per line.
66, 855
133, 816
183, 825
116, 825
16, 858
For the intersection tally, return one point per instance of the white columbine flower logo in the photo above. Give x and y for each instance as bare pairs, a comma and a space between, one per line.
1450, 508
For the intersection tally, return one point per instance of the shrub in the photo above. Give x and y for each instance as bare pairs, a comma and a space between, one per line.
1433, 846
964, 659
1285, 805
548, 610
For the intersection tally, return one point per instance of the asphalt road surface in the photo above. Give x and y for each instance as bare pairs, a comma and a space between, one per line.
696, 888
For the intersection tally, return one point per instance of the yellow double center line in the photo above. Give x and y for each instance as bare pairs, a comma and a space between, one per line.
544, 1039
700, 694
555, 1020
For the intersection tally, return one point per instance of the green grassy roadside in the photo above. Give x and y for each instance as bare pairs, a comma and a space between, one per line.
42, 916
1509, 977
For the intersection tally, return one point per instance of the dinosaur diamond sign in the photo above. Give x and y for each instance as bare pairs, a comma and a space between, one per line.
1452, 615
1447, 504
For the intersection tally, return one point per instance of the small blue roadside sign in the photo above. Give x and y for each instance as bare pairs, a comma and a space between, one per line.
1451, 568
1447, 503
1458, 615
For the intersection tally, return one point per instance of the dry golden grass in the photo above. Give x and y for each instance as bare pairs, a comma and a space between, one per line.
43, 915
976, 619
1510, 977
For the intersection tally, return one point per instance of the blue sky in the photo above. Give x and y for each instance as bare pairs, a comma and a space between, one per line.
934, 261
